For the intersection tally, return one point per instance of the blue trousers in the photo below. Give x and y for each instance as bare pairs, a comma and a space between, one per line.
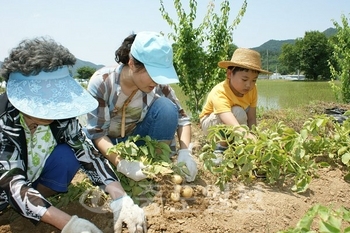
160, 122
59, 169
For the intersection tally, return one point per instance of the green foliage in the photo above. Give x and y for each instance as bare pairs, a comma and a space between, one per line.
272, 49
329, 220
198, 49
74, 193
290, 57
155, 156
315, 52
280, 153
308, 55
85, 73
341, 65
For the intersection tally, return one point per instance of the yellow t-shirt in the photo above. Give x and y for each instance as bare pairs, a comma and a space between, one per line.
222, 99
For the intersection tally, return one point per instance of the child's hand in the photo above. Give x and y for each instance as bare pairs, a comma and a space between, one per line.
251, 136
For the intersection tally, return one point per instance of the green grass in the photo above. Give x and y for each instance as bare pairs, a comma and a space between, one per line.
281, 94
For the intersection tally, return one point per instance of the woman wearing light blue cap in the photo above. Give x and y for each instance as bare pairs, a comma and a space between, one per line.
135, 98
42, 143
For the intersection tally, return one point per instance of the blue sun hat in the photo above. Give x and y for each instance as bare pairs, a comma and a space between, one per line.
49, 95
156, 53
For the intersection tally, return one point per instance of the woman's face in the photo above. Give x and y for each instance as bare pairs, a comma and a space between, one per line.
142, 79
241, 82
36, 121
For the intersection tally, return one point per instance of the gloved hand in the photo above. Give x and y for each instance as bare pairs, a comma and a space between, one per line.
184, 155
132, 169
79, 225
125, 210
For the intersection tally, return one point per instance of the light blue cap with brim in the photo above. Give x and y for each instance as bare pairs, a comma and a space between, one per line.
49, 95
156, 53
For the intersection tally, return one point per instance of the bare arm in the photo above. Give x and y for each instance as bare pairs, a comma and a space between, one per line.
184, 136
251, 117
228, 119
59, 219
56, 217
103, 144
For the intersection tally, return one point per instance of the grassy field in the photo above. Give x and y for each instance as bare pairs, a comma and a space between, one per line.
283, 94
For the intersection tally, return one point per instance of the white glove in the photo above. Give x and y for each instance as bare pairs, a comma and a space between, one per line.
125, 210
79, 225
132, 169
184, 155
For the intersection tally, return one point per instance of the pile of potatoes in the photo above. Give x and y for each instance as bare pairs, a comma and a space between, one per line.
184, 191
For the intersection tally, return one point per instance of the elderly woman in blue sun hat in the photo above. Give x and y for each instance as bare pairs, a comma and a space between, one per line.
139, 84
42, 143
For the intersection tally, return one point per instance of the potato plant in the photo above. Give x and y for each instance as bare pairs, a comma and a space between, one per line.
280, 153
155, 156
328, 219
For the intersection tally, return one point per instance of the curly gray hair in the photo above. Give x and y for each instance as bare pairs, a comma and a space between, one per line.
35, 55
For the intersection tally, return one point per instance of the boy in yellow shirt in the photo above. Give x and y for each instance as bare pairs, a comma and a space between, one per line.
234, 100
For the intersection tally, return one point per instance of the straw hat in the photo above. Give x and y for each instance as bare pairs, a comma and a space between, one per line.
245, 58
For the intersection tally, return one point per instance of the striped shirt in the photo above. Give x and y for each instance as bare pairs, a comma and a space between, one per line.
105, 86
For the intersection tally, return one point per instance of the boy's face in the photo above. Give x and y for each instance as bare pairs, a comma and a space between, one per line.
241, 82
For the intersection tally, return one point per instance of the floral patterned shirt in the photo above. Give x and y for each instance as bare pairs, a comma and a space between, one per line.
40, 145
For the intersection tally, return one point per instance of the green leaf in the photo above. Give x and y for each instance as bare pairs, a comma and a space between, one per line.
307, 219
242, 159
247, 167
144, 150
347, 177
266, 157
324, 164
346, 214
230, 164
346, 158
326, 227
342, 150
136, 190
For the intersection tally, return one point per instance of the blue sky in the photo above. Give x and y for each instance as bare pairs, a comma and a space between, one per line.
92, 30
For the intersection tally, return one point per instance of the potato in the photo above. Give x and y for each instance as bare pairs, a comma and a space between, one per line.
187, 191
177, 188
175, 197
176, 179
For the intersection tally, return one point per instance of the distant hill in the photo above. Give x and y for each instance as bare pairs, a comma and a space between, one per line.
271, 50
81, 63
330, 32
273, 46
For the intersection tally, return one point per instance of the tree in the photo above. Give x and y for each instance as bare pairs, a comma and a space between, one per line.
85, 73
289, 57
340, 65
197, 50
231, 49
309, 55
315, 52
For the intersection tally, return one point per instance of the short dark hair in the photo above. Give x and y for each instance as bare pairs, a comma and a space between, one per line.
122, 54
235, 69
